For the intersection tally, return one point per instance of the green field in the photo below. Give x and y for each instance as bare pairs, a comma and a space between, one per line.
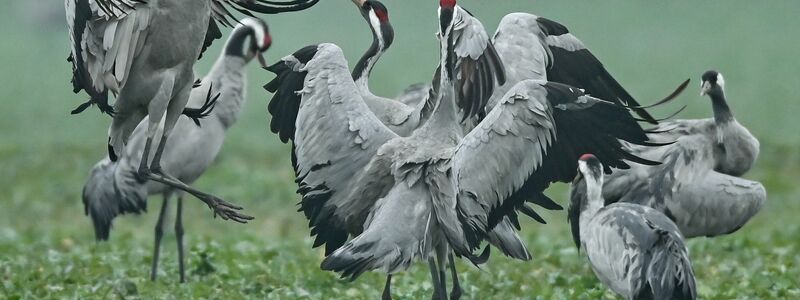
47, 247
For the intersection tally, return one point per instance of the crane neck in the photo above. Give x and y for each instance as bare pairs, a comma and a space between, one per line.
444, 117
722, 112
364, 67
592, 204
228, 77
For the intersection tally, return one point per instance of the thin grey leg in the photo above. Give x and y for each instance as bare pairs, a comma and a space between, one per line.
456, 293
438, 294
159, 234
387, 293
179, 238
155, 166
144, 172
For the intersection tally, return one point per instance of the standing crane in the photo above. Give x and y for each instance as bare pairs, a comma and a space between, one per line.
143, 52
633, 249
113, 189
698, 185
420, 196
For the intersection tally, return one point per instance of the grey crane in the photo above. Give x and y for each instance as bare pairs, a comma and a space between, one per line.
284, 109
633, 249
698, 185
143, 51
112, 188
417, 197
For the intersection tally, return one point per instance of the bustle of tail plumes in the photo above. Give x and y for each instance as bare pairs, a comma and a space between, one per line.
109, 193
670, 274
505, 238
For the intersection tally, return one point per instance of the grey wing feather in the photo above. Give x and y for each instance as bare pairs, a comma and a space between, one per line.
396, 232
336, 137
113, 190
105, 43
505, 237
518, 39
415, 93
701, 201
670, 273
639, 253
523, 120
494, 178
478, 67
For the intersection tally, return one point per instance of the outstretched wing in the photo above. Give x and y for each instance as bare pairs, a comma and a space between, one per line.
105, 37
555, 123
477, 65
519, 40
335, 135
573, 64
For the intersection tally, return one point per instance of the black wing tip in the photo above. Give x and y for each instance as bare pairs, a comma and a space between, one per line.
196, 114
275, 7
285, 102
550, 27
347, 264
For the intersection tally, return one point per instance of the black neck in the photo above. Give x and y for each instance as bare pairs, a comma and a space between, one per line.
236, 45
722, 113
365, 64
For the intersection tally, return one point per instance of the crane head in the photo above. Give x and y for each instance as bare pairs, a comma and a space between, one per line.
377, 15
712, 83
260, 38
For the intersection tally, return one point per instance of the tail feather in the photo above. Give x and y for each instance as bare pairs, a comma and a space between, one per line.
670, 274
108, 194
505, 238
365, 253
395, 234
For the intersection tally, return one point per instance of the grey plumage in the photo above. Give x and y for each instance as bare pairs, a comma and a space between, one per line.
143, 52
112, 188
354, 172
543, 49
697, 186
399, 118
634, 250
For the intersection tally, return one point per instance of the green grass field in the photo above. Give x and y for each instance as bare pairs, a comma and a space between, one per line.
47, 247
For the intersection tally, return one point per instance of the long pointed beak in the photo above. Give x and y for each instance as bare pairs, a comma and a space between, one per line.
261, 60
704, 87
359, 3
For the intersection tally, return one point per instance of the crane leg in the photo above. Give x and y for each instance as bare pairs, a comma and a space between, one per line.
174, 110
442, 264
437, 283
143, 173
221, 208
179, 238
387, 293
159, 234
224, 209
456, 293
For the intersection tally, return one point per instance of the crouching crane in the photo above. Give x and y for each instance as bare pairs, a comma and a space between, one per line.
697, 185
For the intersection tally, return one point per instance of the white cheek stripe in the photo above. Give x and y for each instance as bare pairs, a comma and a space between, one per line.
257, 28
376, 25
